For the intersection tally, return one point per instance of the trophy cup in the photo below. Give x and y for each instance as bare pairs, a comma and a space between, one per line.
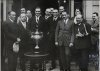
37, 36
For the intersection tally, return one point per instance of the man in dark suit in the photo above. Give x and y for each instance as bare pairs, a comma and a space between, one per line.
25, 39
36, 22
64, 39
47, 22
22, 10
47, 14
53, 50
47, 19
61, 9
11, 31
29, 15
82, 42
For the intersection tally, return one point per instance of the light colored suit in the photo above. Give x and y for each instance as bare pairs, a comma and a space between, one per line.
64, 33
64, 36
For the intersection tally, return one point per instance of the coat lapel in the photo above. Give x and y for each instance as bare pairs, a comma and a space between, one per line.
21, 26
63, 24
96, 23
67, 24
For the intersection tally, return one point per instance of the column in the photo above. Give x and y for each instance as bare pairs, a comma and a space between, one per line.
0, 11
89, 8
72, 8
99, 11
0, 34
9, 5
84, 9
99, 35
4, 10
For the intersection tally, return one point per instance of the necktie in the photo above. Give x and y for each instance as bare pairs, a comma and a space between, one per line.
24, 25
85, 29
37, 19
65, 22
79, 31
54, 18
93, 22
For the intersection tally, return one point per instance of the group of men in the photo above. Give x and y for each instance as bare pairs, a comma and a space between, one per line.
60, 32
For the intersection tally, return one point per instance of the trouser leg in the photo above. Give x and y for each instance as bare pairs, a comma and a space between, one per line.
64, 57
84, 60
12, 61
67, 57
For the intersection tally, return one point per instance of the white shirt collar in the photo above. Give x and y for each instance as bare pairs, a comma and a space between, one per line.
37, 16
24, 24
55, 18
11, 20
46, 17
66, 21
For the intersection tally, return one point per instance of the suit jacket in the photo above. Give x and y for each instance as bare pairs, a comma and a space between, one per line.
24, 36
95, 33
85, 41
11, 33
64, 33
33, 25
47, 24
52, 29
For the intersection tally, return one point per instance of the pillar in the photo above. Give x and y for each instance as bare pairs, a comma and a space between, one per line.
89, 7
0, 34
99, 34
9, 5
84, 9
4, 9
72, 8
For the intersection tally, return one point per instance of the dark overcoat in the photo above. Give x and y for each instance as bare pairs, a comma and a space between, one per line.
85, 41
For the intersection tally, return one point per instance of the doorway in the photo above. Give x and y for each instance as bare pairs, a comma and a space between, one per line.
32, 4
43, 4
78, 5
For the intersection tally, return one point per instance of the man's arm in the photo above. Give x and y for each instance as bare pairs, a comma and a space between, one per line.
8, 33
72, 35
56, 33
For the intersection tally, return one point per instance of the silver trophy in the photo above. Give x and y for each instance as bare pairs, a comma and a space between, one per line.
37, 36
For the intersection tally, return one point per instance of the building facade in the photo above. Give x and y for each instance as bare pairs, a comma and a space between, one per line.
87, 7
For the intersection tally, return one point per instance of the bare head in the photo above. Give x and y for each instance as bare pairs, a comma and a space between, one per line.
47, 12
61, 9
65, 15
12, 15
23, 10
55, 12
23, 17
77, 12
95, 16
79, 18
51, 10
29, 14
38, 11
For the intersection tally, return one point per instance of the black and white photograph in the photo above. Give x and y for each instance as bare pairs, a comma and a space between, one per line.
49, 35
